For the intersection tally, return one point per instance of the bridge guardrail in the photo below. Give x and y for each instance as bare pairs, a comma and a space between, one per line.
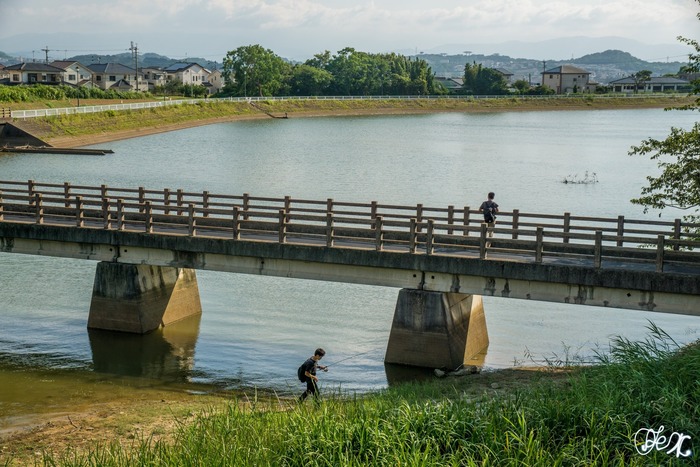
415, 229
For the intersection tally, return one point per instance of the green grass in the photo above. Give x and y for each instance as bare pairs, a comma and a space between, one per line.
590, 420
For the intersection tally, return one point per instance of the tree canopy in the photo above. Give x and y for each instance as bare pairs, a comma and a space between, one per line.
255, 71
484, 81
678, 157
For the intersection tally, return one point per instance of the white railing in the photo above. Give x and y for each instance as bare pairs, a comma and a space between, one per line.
166, 102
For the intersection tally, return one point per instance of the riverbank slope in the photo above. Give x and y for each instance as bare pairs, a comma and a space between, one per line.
77, 130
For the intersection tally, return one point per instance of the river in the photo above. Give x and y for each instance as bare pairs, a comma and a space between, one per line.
255, 331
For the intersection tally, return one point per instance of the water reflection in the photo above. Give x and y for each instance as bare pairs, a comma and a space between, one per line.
165, 354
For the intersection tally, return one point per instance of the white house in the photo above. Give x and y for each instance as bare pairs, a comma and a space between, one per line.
117, 77
75, 73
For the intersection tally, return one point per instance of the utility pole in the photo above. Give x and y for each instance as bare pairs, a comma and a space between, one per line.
135, 55
46, 49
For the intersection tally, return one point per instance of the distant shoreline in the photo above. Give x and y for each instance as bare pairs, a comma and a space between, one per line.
72, 131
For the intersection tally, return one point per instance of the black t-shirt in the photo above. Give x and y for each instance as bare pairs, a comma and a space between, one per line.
489, 208
310, 366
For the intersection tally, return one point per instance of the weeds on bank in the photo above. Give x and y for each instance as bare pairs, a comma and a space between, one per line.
591, 420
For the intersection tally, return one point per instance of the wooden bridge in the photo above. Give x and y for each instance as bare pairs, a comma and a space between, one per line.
650, 265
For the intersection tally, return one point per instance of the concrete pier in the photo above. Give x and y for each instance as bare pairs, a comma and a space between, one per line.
140, 298
436, 329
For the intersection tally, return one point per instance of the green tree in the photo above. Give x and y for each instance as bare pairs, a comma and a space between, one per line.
480, 80
640, 78
678, 157
307, 80
254, 71
521, 86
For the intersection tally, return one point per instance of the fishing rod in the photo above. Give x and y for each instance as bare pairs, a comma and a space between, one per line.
348, 358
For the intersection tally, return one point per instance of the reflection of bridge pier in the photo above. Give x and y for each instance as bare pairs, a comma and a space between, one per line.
166, 353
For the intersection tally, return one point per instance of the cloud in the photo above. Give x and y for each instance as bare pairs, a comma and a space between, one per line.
373, 25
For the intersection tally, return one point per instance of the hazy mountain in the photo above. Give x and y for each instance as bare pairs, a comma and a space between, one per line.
567, 48
603, 66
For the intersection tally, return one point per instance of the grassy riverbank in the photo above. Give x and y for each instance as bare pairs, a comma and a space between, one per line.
588, 416
84, 129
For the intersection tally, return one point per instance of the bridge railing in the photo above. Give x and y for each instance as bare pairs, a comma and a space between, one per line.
415, 229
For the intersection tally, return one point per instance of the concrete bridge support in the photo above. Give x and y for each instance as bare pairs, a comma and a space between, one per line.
436, 329
140, 298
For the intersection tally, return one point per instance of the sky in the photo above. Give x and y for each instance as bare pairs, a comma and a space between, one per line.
298, 29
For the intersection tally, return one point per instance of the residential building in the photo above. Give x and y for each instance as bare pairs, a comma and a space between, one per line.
216, 81
506, 74
187, 73
155, 77
453, 85
75, 73
653, 84
566, 79
117, 77
35, 73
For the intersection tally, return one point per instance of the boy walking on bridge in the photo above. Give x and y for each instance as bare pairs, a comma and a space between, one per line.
489, 208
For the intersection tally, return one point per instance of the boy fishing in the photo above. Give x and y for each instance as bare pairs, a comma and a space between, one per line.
307, 374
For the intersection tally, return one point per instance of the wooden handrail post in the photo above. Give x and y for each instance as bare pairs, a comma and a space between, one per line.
103, 191
450, 218
598, 249
142, 198
620, 230
79, 213
330, 231
466, 220
236, 224
180, 199
287, 207
373, 212
676, 233
412, 236
149, 218
39, 207
539, 239
205, 203
419, 216
246, 205
120, 214
282, 226
31, 189
429, 237
482, 240
191, 221
166, 200
329, 206
2, 208
66, 193
379, 235
106, 217
516, 221
566, 227
660, 240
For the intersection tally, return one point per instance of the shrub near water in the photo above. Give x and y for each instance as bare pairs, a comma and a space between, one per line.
592, 420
